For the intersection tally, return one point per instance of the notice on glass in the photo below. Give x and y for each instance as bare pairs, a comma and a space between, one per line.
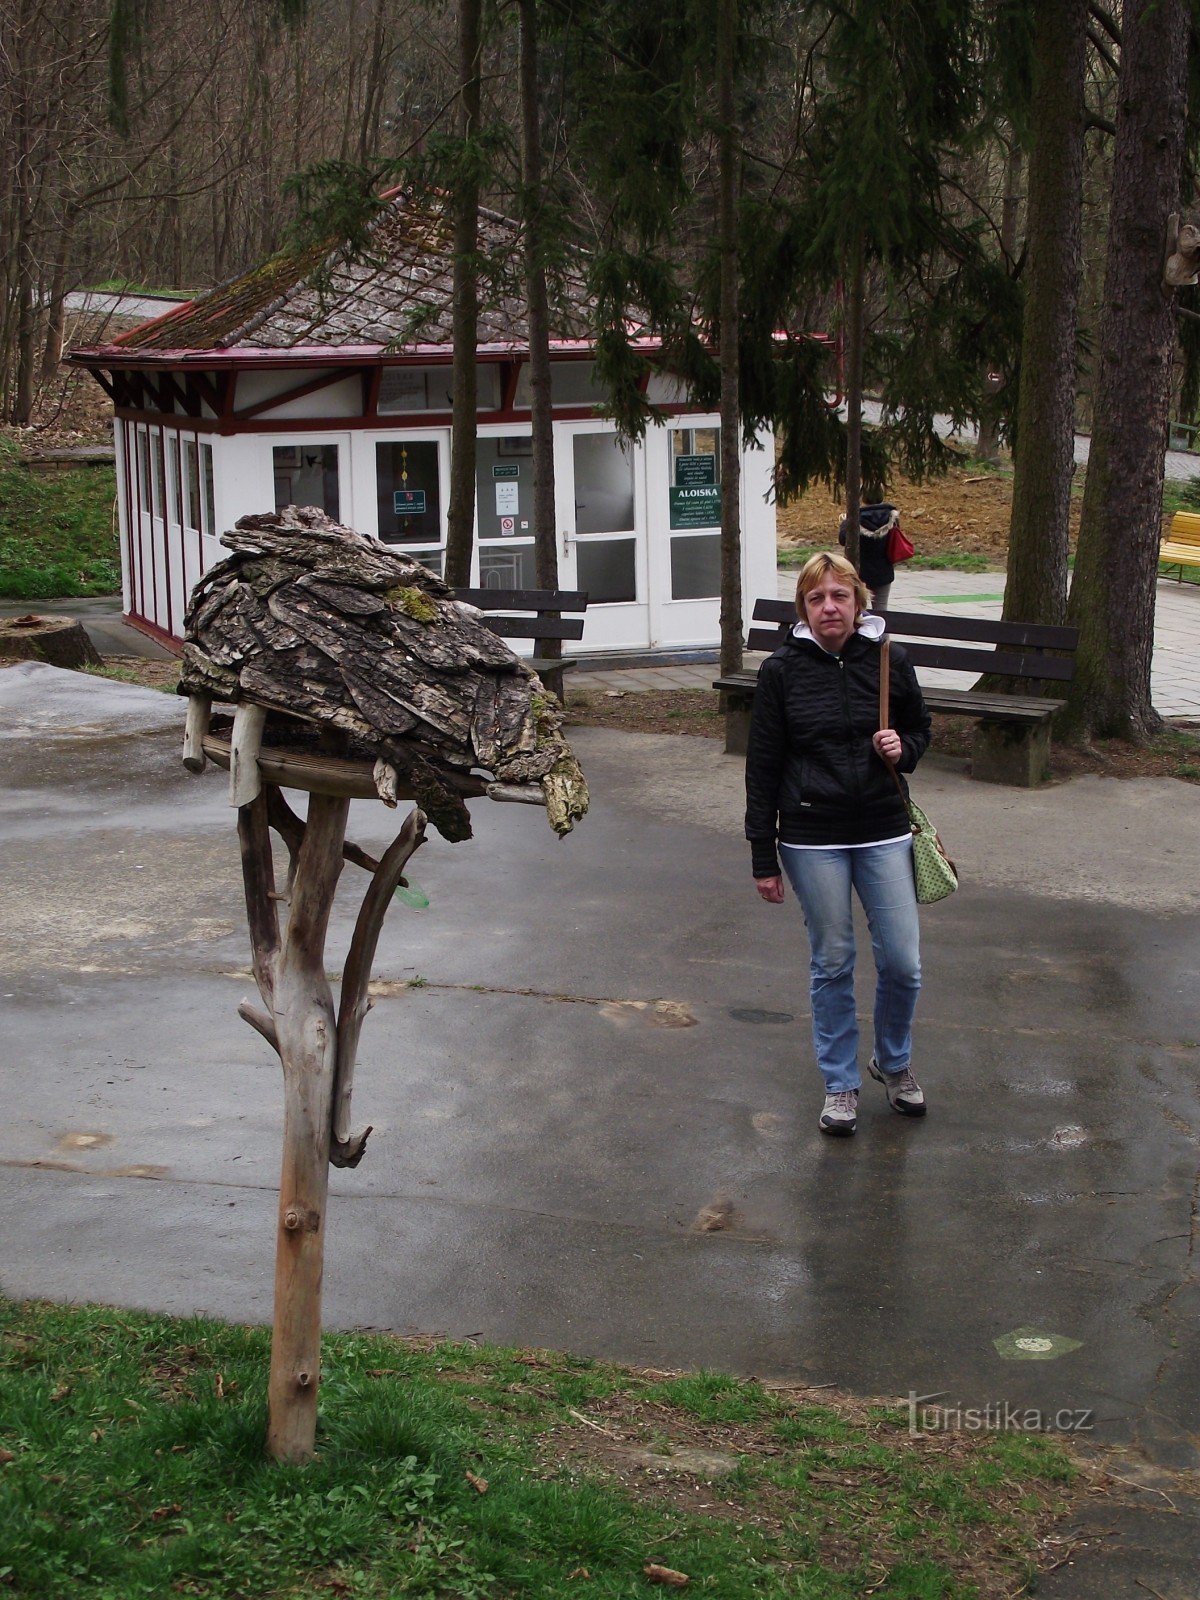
698, 507
506, 499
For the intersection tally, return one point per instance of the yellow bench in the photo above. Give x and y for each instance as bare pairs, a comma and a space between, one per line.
1182, 546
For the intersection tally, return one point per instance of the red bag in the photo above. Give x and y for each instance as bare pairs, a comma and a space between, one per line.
899, 546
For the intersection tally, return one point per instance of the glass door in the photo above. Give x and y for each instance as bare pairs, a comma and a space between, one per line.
601, 491
685, 557
410, 489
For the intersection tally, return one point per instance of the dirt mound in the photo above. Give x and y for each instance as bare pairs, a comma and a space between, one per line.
967, 511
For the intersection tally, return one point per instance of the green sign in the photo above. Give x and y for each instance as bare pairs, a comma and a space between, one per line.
698, 507
507, 469
693, 472
408, 502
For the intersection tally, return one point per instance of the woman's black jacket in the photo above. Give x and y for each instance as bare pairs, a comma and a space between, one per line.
812, 773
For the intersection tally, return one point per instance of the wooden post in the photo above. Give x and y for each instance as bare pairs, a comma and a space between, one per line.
316, 1048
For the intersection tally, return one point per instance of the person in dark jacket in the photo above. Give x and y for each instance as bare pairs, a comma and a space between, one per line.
819, 791
875, 522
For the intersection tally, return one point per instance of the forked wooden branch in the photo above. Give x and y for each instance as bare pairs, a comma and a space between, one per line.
290, 829
347, 1150
303, 1014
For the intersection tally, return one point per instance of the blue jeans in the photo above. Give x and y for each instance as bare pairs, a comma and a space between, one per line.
882, 877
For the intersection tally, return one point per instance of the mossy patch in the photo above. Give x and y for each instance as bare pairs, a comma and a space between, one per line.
414, 602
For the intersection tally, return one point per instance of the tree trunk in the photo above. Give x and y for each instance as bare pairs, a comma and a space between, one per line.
460, 521
987, 440
728, 161
545, 531
856, 295
1044, 455
1113, 592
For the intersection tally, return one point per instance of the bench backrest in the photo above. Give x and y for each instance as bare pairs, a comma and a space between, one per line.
529, 613
1019, 649
1185, 527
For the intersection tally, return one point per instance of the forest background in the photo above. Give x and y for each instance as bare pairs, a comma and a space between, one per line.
882, 161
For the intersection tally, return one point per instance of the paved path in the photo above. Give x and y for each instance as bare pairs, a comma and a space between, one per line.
1175, 677
612, 1034
1180, 465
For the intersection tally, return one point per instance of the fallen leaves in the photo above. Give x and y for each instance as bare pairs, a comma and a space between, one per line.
480, 1485
667, 1575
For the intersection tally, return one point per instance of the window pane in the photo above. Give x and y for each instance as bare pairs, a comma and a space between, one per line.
603, 484
408, 489
606, 570
210, 508
503, 489
307, 475
171, 445
156, 471
696, 567
431, 389
143, 451
191, 479
507, 567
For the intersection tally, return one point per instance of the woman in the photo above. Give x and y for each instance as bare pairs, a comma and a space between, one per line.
817, 784
875, 523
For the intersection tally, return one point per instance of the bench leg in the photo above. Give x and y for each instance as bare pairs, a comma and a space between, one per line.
737, 722
1011, 752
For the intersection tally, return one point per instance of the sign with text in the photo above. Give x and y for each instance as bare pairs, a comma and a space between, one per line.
698, 507
506, 469
693, 472
408, 502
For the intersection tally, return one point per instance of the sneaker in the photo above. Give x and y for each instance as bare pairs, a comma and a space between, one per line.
840, 1115
903, 1091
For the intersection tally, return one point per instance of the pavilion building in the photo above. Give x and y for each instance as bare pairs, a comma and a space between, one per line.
316, 381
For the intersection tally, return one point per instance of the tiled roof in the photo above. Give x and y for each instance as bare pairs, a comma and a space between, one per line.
399, 294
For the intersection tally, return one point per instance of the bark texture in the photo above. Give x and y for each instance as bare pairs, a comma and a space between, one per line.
460, 519
58, 641
545, 517
1044, 455
1113, 591
311, 620
729, 162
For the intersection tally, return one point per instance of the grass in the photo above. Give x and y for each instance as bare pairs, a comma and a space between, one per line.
58, 532
131, 1465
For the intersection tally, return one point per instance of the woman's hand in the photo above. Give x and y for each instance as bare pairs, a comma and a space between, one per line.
887, 743
771, 890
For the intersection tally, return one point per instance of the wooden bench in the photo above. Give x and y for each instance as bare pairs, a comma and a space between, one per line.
534, 614
1012, 732
1182, 548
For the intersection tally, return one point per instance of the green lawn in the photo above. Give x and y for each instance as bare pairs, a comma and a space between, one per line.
58, 531
131, 1464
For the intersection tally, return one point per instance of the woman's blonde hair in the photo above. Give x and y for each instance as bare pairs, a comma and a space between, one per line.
829, 561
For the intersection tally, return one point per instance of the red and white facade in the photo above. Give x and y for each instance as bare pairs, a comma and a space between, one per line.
206, 435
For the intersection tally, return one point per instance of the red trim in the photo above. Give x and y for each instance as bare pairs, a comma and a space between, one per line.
153, 631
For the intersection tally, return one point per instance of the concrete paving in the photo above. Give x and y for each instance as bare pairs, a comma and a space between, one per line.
580, 1045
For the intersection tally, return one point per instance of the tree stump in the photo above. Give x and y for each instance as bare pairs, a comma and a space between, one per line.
58, 641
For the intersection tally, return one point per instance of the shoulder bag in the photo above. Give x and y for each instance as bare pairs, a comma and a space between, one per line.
934, 874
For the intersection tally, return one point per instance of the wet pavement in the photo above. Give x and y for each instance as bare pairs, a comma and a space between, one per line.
581, 1046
